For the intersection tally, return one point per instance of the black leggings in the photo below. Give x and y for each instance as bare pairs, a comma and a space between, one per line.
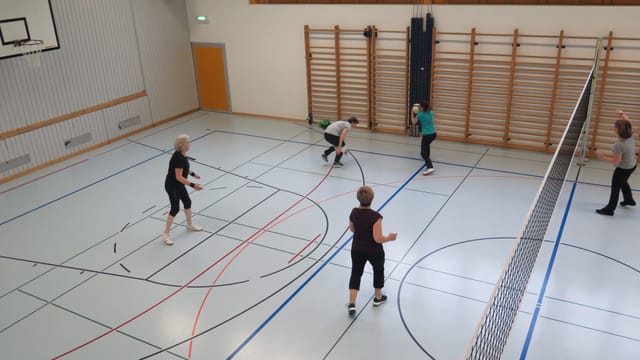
619, 182
333, 140
425, 149
358, 260
177, 194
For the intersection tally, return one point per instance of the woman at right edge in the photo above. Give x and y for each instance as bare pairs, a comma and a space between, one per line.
624, 157
425, 116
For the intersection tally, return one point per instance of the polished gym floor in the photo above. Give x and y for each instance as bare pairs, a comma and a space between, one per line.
85, 274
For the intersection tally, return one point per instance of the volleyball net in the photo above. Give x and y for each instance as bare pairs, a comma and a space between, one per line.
494, 327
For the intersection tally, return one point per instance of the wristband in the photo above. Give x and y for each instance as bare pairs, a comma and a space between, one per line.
192, 185
193, 174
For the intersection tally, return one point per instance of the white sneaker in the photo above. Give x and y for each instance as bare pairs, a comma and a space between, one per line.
194, 227
428, 171
167, 239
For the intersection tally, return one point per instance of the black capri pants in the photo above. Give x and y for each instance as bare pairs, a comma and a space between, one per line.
177, 194
358, 260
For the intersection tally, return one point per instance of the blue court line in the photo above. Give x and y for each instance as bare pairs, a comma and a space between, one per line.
77, 190
306, 282
164, 152
474, 167
543, 289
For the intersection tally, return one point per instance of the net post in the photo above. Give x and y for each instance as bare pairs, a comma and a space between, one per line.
585, 130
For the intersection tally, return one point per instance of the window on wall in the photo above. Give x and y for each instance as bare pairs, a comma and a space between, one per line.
455, 2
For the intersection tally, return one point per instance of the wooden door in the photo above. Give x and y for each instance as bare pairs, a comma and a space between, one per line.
212, 78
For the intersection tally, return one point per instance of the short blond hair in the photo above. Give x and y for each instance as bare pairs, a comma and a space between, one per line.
180, 141
365, 195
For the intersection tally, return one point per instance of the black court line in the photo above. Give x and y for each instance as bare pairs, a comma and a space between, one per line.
489, 169
47, 303
291, 141
148, 209
406, 253
211, 235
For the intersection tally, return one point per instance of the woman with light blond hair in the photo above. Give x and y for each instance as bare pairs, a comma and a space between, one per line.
174, 184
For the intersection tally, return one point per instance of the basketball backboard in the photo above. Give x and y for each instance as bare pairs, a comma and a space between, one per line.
26, 20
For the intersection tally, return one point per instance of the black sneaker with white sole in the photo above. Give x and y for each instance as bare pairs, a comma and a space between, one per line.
352, 309
378, 302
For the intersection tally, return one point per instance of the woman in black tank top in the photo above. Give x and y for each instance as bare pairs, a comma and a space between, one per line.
366, 225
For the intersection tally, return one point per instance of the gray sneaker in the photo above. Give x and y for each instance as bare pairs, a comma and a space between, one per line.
378, 302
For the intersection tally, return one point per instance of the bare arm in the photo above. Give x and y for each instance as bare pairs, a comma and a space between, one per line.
615, 158
378, 236
186, 181
414, 121
622, 115
343, 135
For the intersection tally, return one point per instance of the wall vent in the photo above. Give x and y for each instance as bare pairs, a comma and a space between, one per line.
14, 163
129, 122
78, 140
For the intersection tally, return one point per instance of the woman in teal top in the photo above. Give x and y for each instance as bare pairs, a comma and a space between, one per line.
425, 116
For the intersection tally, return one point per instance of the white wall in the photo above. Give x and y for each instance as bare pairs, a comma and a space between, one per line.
165, 53
108, 50
265, 43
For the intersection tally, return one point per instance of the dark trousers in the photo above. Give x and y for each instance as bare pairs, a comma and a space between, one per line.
358, 260
177, 194
619, 182
333, 140
425, 149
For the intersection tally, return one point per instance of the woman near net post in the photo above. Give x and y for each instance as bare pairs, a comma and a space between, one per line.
624, 157
175, 183
366, 225
425, 117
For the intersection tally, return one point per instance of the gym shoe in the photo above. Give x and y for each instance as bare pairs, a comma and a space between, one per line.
428, 171
605, 211
324, 157
630, 203
337, 164
167, 239
378, 302
352, 309
194, 227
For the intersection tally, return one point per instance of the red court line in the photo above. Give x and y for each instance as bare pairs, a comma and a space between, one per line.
43, 176
304, 248
206, 296
185, 285
424, 178
247, 242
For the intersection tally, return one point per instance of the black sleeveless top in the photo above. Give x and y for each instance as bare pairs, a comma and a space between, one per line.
178, 161
363, 220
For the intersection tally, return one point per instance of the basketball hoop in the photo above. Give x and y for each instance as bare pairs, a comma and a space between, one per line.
31, 51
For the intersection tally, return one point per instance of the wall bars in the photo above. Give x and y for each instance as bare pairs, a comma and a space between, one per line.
359, 72
512, 89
